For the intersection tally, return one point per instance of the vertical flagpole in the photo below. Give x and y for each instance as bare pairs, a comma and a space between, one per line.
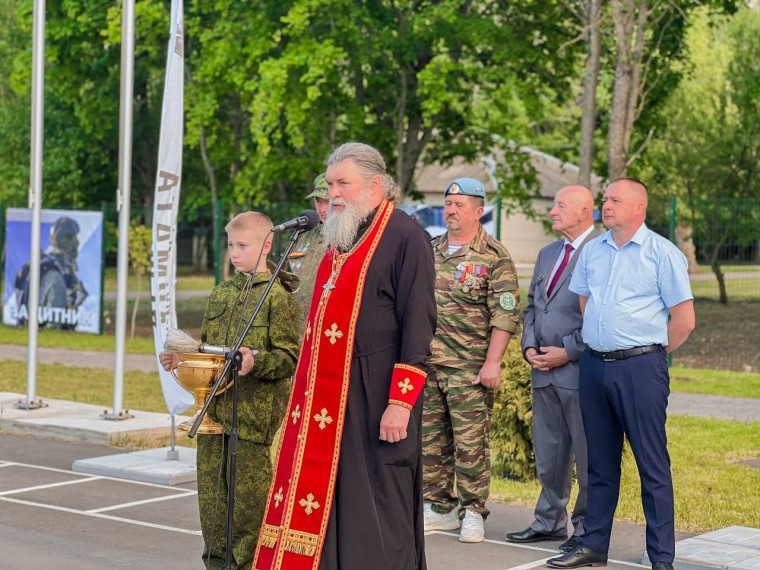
35, 199
123, 196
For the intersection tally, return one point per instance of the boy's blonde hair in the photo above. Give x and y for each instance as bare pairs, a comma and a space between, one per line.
259, 223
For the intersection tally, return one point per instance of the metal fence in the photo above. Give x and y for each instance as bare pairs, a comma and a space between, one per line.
201, 239
721, 240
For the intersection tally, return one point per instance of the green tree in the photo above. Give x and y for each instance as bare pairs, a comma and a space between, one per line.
709, 151
274, 91
140, 249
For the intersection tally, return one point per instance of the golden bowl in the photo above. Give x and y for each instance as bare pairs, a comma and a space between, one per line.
197, 373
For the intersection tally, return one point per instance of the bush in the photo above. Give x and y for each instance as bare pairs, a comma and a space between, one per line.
512, 422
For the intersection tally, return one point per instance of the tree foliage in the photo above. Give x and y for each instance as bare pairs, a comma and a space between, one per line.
708, 152
140, 250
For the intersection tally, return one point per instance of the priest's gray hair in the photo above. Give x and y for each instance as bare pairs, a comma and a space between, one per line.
370, 163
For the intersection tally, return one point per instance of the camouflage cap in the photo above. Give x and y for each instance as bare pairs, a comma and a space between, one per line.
320, 187
466, 187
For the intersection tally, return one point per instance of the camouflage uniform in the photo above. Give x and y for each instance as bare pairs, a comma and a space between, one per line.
262, 399
304, 262
475, 290
308, 253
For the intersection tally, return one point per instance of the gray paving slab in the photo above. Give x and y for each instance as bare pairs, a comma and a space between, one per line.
733, 547
149, 465
73, 421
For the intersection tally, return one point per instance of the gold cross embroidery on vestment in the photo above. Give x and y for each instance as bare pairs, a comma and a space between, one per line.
278, 498
323, 418
310, 504
296, 414
405, 386
333, 333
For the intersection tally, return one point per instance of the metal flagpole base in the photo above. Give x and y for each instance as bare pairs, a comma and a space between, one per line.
113, 416
173, 453
32, 405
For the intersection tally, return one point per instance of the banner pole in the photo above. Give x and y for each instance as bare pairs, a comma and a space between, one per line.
35, 201
123, 197
166, 208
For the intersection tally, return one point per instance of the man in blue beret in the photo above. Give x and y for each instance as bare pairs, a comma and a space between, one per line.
477, 299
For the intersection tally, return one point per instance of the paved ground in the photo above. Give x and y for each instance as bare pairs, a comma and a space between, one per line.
53, 518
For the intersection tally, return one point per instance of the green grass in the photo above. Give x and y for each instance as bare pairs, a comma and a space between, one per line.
717, 382
142, 391
736, 289
732, 268
710, 490
49, 338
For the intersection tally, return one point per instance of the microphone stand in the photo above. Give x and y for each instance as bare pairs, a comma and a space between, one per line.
234, 362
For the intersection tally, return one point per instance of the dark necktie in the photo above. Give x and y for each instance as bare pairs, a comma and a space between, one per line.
560, 269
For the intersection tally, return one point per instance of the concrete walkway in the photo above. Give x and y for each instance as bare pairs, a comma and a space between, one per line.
80, 358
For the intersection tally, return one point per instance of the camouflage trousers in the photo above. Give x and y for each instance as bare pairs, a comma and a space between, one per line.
253, 473
456, 420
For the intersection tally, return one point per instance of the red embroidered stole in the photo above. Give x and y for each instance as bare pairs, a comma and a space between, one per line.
303, 483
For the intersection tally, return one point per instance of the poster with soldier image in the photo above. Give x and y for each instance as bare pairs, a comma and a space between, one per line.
71, 244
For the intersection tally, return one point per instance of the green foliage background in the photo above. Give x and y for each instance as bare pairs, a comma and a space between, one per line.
512, 421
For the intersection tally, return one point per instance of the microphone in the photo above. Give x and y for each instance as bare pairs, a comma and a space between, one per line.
306, 220
213, 349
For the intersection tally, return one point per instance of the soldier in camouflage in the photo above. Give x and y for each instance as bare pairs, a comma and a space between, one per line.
270, 351
477, 298
310, 249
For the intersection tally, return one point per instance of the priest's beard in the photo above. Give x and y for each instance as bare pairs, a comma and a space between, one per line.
340, 228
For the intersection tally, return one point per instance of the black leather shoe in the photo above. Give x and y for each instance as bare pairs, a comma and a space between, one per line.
571, 543
662, 566
580, 556
530, 535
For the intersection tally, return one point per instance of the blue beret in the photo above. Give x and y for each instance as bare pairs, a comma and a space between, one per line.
466, 187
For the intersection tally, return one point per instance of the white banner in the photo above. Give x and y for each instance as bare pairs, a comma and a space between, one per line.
166, 205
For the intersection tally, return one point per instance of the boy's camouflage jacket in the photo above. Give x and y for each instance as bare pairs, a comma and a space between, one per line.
263, 393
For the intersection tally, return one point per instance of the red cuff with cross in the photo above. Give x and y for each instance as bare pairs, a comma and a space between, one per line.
406, 385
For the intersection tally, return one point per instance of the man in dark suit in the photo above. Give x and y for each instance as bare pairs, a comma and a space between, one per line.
552, 344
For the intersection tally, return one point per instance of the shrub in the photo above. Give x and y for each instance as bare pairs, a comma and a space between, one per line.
512, 422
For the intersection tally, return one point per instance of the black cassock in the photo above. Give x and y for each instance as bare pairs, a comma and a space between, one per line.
376, 519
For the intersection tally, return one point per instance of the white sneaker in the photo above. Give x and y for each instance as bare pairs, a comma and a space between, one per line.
472, 527
437, 521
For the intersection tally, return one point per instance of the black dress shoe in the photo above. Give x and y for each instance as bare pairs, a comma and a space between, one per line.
580, 556
662, 566
530, 535
571, 543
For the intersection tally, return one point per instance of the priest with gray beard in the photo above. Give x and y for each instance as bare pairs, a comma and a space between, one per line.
347, 488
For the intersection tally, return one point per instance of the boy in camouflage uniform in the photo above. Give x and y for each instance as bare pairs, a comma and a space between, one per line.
270, 351
310, 249
477, 298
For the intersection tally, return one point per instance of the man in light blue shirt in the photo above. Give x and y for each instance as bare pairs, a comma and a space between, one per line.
629, 280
